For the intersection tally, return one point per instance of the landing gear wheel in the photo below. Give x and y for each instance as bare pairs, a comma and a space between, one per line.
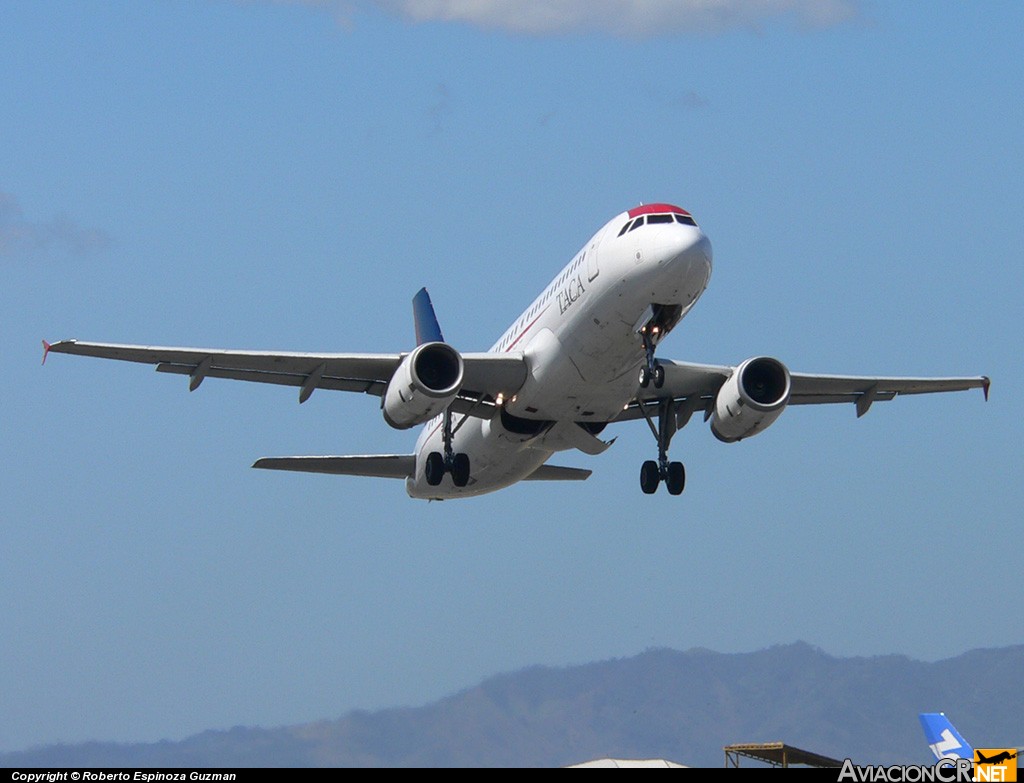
659, 376
675, 482
649, 477
460, 470
653, 472
433, 471
645, 377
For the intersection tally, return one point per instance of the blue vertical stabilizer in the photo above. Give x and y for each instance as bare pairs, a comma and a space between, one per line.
428, 330
943, 738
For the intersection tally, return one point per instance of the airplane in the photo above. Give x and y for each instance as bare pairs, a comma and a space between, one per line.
943, 739
946, 743
580, 357
999, 758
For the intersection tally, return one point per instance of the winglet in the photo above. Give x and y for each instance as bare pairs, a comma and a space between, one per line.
986, 382
427, 328
46, 350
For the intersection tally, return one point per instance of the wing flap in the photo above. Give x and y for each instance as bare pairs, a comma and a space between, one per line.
823, 399
377, 465
282, 379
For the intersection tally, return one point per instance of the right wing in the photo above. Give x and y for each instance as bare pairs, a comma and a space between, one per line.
486, 375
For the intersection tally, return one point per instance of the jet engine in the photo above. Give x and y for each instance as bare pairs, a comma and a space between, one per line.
751, 399
425, 383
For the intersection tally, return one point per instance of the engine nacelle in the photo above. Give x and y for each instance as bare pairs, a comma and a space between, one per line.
425, 383
751, 399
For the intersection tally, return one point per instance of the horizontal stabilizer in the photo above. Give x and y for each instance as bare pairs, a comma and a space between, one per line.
379, 465
558, 473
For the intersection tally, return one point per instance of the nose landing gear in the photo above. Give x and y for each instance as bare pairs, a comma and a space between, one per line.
652, 369
456, 463
657, 321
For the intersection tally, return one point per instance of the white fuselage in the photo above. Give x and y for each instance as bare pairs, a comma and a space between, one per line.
583, 350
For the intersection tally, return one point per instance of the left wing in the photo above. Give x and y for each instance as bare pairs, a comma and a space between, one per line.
862, 392
486, 375
694, 388
378, 465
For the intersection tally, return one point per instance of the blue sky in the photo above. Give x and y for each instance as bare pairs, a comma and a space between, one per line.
286, 175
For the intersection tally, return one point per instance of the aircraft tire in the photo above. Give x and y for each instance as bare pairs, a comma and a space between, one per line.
460, 470
649, 477
433, 471
659, 376
676, 480
644, 377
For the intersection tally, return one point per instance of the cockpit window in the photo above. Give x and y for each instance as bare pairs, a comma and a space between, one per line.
651, 219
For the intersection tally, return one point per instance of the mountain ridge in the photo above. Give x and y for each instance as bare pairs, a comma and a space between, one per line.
660, 703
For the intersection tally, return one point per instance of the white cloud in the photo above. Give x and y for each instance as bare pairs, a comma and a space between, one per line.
18, 235
626, 18
632, 18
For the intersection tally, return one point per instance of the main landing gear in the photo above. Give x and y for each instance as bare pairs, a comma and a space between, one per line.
653, 473
450, 462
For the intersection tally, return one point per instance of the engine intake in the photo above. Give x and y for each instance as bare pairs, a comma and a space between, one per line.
425, 383
753, 397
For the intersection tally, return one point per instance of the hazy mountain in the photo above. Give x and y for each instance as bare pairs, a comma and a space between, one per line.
682, 706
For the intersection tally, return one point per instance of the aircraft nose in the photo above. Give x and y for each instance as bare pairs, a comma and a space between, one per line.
682, 244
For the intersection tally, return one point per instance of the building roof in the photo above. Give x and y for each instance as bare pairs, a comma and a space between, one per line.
626, 764
778, 754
